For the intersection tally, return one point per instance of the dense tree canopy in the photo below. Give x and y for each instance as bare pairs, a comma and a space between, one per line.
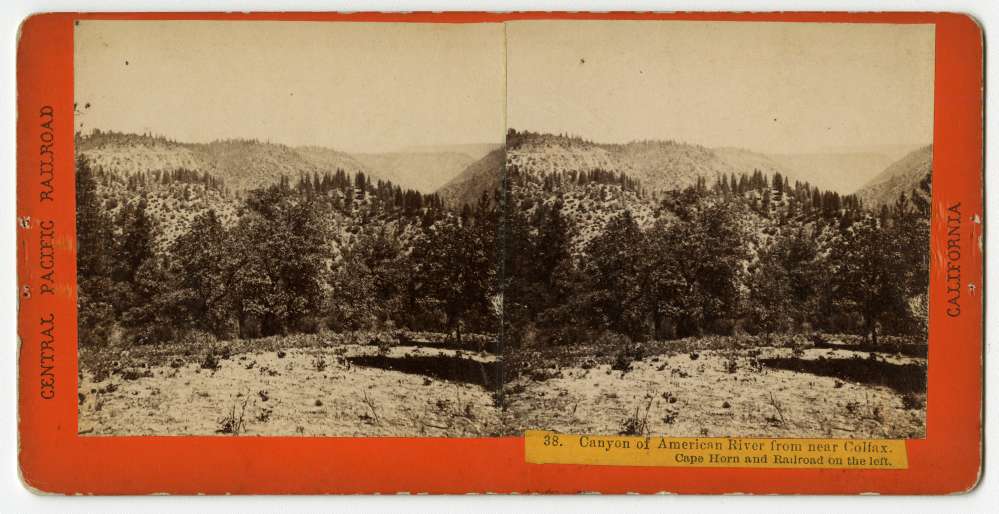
749, 253
331, 251
326, 252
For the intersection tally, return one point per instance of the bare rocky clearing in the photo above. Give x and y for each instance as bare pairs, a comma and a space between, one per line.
714, 393
363, 390
301, 391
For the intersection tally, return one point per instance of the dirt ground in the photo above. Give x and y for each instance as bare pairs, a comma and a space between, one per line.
714, 393
305, 391
346, 390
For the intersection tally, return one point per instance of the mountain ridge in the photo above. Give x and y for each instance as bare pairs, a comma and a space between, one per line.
663, 165
481, 176
245, 164
906, 175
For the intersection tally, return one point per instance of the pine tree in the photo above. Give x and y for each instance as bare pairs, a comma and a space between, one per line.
614, 275
457, 268
95, 307
135, 244
204, 271
870, 274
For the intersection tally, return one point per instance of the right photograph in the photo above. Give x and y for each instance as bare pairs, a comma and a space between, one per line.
717, 229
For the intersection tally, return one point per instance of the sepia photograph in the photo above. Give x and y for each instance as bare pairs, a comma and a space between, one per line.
677, 228
276, 230
717, 229
498, 253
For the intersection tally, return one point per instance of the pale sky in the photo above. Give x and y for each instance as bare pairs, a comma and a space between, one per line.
769, 87
360, 87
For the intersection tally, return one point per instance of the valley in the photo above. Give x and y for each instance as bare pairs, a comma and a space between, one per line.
657, 287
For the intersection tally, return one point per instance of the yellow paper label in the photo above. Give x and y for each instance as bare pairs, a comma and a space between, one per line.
729, 452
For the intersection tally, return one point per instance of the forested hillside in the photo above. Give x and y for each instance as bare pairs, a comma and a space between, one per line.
248, 164
172, 250
599, 251
481, 176
669, 165
910, 176
170, 200
518, 277
323, 251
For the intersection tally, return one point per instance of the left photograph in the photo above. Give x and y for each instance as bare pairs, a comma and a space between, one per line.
283, 228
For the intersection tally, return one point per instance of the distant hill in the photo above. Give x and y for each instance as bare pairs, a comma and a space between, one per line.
423, 171
246, 164
902, 176
594, 182
172, 199
327, 159
241, 163
177, 181
483, 175
659, 165
742, 160
124, 154
668, 165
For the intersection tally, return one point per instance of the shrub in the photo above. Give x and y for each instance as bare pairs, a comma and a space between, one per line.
198, 339
232, 422
540, 375
608, 339
134, 374
384, 345
638, 422
622, 361
912, 401
627, 352
210, 361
